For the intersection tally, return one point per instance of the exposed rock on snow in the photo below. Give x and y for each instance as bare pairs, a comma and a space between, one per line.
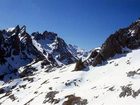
19, 49
43, 63
120, 42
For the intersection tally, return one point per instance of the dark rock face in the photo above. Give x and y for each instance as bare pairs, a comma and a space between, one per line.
79, 65
46, 35
116, 43
17, 49
62, 49
59, 49
74, 100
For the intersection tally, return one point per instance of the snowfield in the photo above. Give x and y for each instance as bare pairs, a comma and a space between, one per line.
117, 82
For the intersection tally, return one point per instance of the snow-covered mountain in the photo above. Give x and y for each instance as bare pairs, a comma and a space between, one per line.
49, 43
122, 41
116, 83
78, 52
110, 75
19, 49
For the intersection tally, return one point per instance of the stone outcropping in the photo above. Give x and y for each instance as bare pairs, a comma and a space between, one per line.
19, 49
117, 43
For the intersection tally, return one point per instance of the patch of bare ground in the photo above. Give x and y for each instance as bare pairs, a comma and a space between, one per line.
74, 100
50, 98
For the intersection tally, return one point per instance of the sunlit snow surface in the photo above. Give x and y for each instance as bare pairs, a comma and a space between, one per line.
100, 85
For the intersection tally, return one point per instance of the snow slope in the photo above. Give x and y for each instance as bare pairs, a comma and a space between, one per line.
18, 49
115, 83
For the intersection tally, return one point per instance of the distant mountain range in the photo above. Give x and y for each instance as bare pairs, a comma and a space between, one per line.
40, 68
18, 49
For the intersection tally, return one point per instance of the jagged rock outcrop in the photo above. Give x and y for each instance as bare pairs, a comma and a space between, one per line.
50, 44
116, 43
79, 65
18, 49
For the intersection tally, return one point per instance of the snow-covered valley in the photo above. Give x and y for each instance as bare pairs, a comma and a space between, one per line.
115, 83
42, 68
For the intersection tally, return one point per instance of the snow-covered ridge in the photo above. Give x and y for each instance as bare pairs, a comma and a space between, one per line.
114, 84
19, 49
40, 69
120, 42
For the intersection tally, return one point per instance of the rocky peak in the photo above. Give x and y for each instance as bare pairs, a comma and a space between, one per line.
22, 49
122, 41
16, 49
50, 35
46, 35
124, 38
23, 28
53, 45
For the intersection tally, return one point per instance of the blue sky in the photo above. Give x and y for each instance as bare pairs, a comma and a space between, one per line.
86, 23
